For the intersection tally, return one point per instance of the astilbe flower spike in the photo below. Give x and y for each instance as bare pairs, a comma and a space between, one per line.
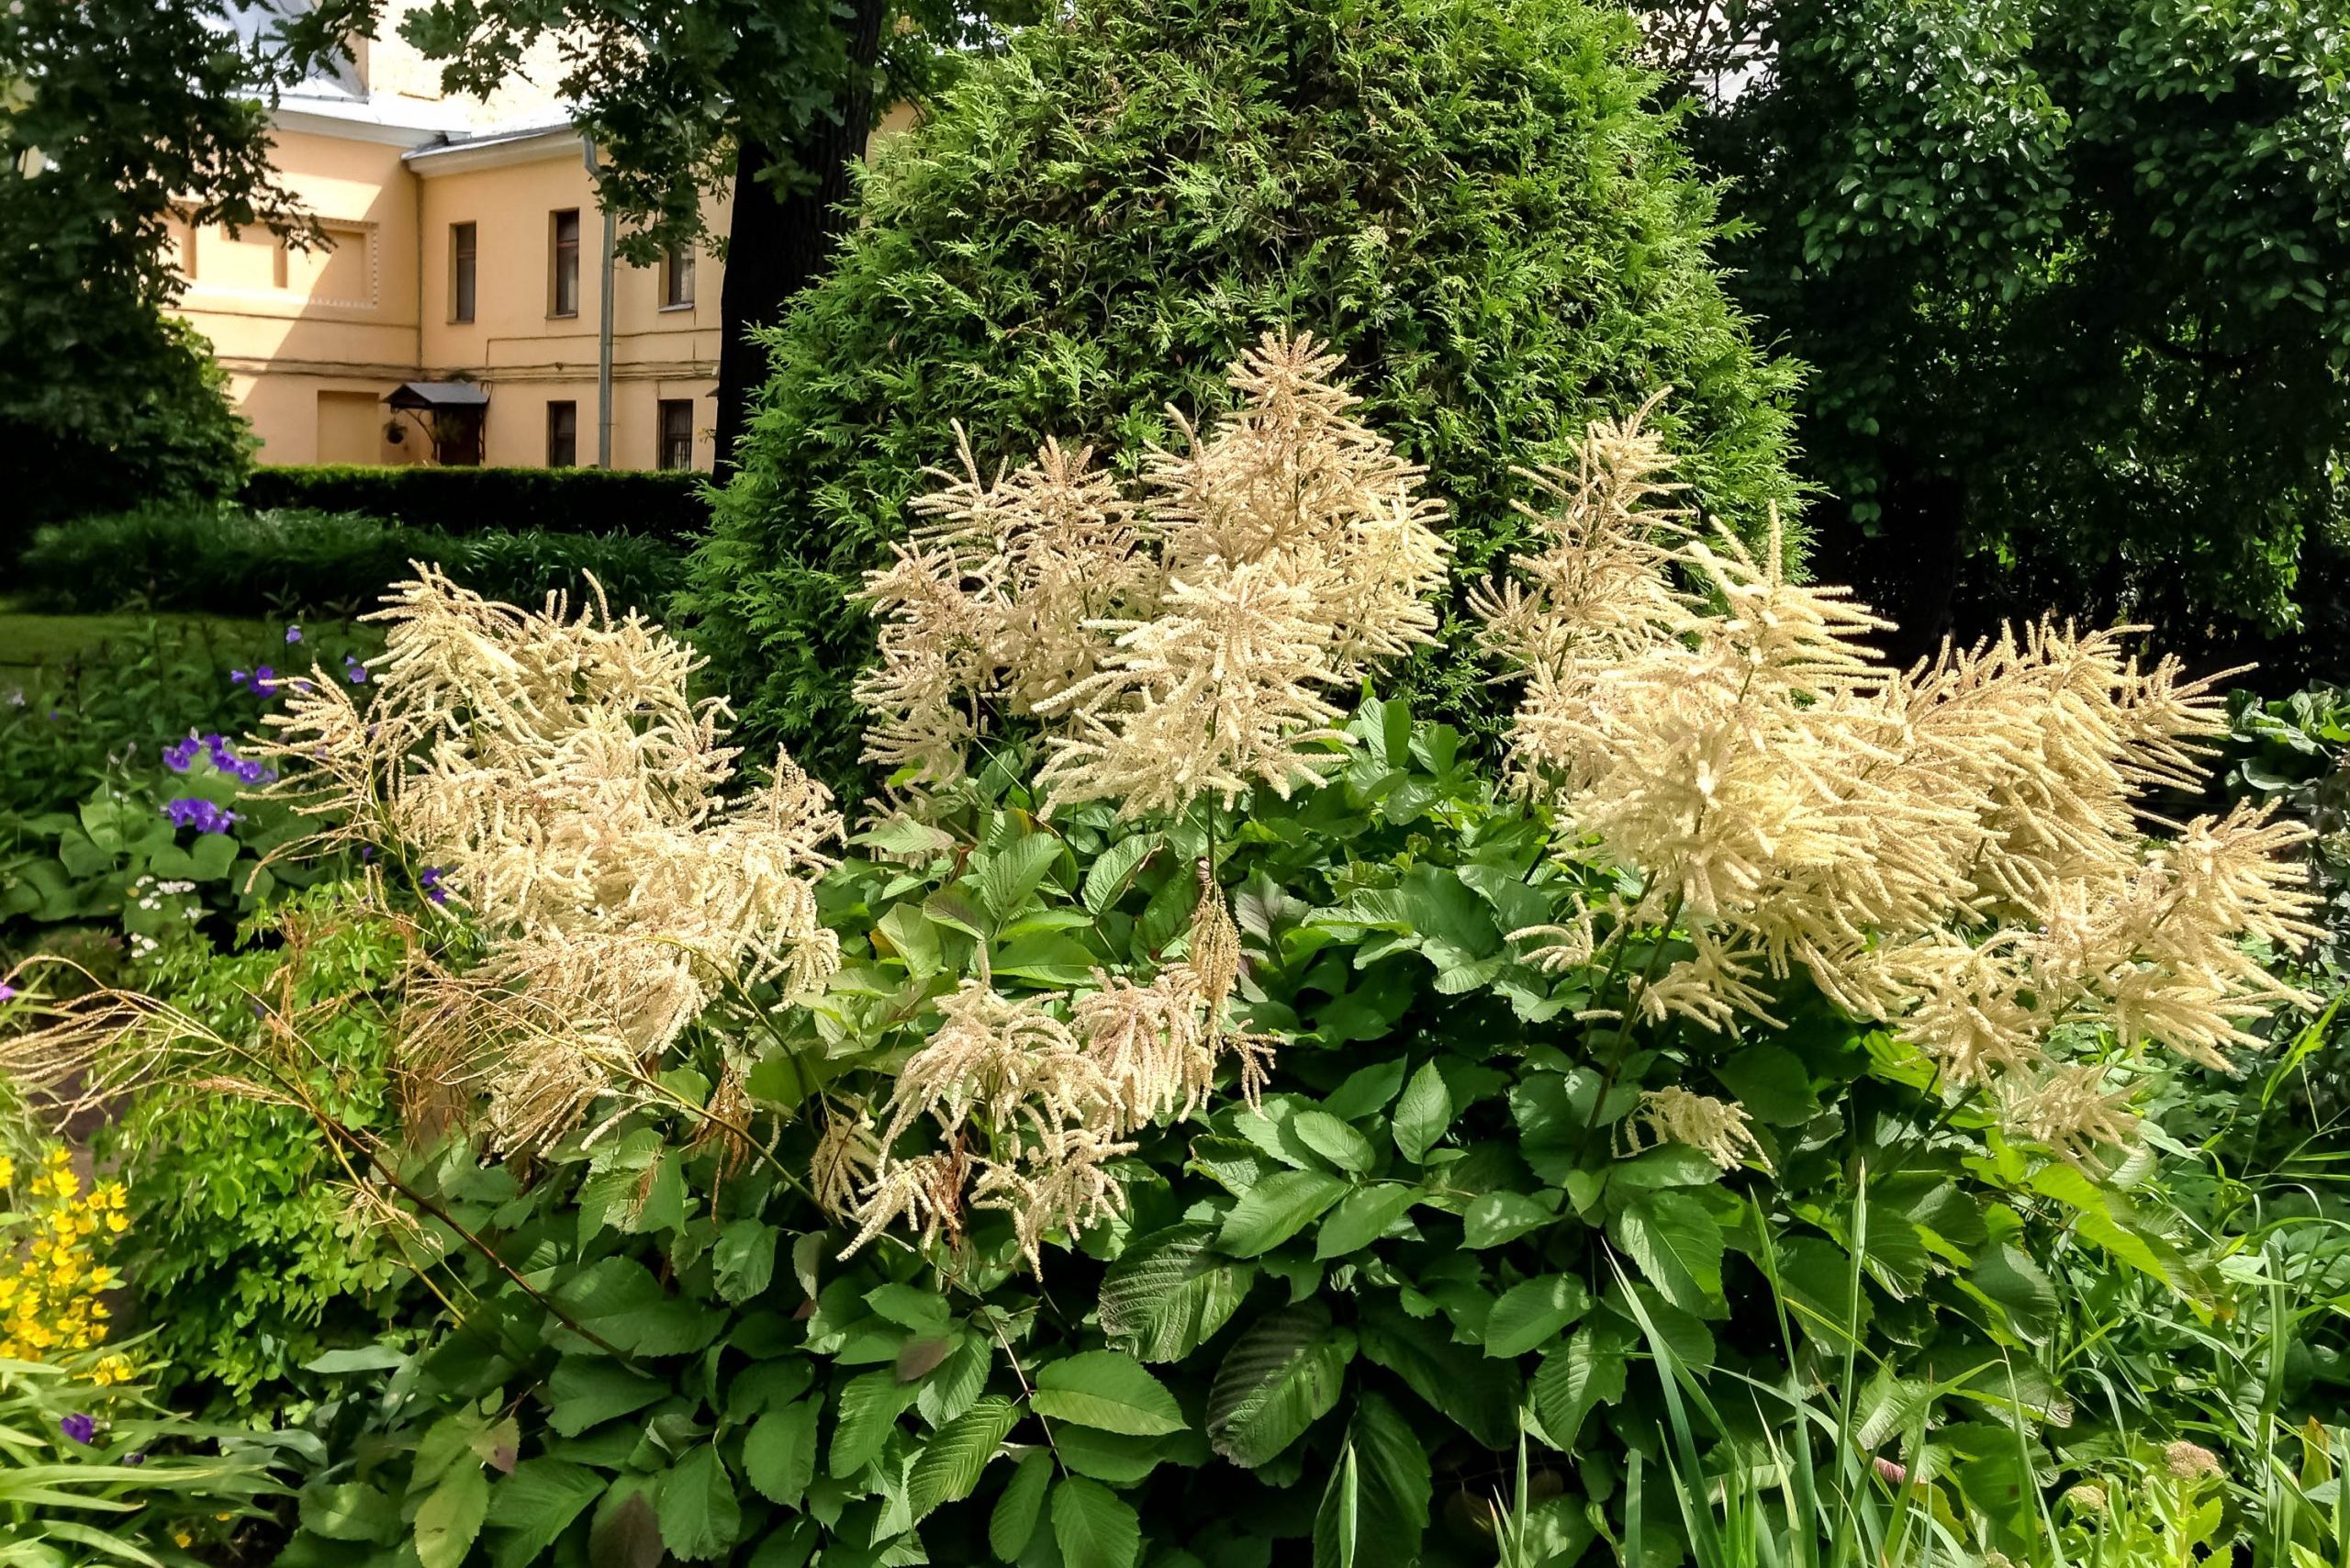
569, 795
1960, 850
1179, 646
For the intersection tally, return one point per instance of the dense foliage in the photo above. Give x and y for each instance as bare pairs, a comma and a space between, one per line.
2069, 275
224, 560
1482, 213
1283, 1140
666, 503
119, 114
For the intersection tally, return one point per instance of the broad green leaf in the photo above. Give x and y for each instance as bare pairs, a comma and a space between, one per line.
1365, 1090
1494, 1218
1170, 1292
1480, 1395
1363, 1218
779, 1454
1106, 1390
2009, 1278
1529, 1316
1013, 1522
1112, 1457
951, 1462
744, 1259
1113, 870
1395, 1484
536, 1504
1678, 1246
1279, 1378
1578, 1378
1333, 1141
1772, 1082
352, 1511
869, 1407
451, 1516
949, 1390
1276, 1209
1422, 1114
1093, 1526
699, 1515
1009, 875
1338, 1524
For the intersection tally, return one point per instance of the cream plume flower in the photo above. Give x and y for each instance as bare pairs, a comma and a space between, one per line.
1183, 645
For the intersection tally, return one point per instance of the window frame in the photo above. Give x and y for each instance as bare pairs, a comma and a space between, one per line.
563, 412
672, 297
465, 273
559, 252
662, 408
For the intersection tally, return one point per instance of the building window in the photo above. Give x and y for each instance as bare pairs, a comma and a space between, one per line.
566, 292
677, 279
461, 271
563, 433
677, 433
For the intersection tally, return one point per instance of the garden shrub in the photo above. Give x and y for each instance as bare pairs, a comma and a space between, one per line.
1201, 1119
1482, 213
228, 561
666, 503
249, 1254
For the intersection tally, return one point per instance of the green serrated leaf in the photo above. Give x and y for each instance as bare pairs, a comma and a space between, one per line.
451, 1516
1334, 1141
1279, 1378
1276, 1209
869, 1407
779, 1454
1170, 1292
1113, 870
1013, 1521
1422, 1114
1093, 1526
1108, 1391
1529, 1316
951, 1462
699, 1515
1578, 1378
1362, 1217
536, 1504
1674, 1240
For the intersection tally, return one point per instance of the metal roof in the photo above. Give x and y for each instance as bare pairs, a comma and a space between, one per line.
440, 395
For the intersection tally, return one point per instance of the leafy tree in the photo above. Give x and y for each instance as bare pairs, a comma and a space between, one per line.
119, 111
771, 99
2070, 272
1477, 207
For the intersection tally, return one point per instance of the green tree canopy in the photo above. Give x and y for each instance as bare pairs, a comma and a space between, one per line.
1477, 205
115, 112
2071, 275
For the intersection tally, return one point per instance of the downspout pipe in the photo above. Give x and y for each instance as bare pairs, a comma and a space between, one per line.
604, 329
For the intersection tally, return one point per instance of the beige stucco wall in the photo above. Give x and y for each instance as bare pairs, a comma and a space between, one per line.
287, 326
523, 352
309, 339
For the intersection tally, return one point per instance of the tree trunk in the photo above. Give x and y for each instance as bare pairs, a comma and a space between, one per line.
778, 245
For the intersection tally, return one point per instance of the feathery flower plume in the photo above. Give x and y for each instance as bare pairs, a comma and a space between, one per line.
1181, 646
1959, 851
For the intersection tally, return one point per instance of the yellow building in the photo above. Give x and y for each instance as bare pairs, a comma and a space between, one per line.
468, 265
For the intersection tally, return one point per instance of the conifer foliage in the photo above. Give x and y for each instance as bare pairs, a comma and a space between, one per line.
1478, 213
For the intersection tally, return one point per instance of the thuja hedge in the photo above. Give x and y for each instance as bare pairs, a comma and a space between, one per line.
471, 500
1479, 208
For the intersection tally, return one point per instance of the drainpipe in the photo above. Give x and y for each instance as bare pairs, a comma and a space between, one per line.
604, 331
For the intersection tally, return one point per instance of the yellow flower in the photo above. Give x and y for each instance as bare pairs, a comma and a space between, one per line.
182, 1539
7, 1172
116, 1224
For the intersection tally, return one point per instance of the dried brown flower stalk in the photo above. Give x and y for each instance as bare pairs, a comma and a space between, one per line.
1178, 647
1959, 850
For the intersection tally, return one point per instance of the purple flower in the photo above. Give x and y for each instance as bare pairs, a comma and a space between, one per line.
134, 1459
190, 811
80, 1427
293, 633
181, 756
353, 670
8, 991
429, 879
261, 681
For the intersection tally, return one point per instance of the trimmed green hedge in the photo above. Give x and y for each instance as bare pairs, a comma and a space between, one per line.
1481, 207
227, 561
474, 500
